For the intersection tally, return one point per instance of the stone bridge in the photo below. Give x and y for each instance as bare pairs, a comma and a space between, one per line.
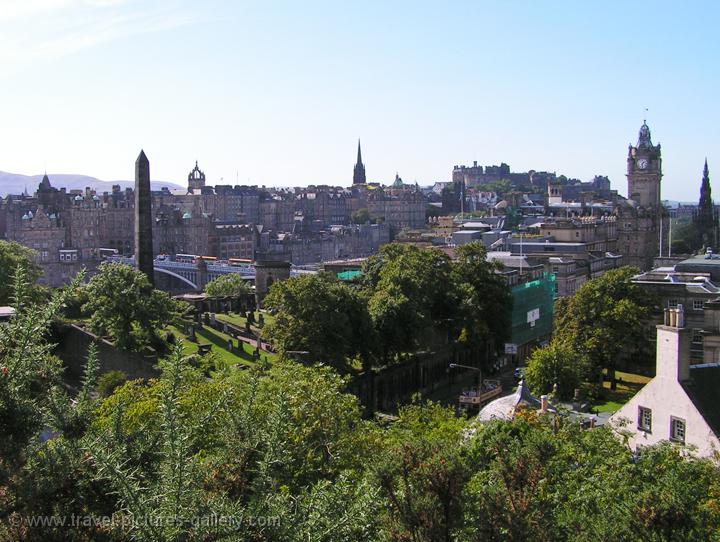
195, 277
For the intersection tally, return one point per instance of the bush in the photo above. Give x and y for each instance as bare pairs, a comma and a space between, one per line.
110, 381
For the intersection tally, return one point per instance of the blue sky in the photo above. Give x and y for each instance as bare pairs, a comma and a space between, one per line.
277, 93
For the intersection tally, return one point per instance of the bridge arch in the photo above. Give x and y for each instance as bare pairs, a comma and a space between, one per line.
173, 274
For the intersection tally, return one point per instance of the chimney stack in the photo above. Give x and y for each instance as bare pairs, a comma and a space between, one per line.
673, 346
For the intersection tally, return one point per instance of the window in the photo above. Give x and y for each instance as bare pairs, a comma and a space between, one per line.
672, 303
645, 419
698, 304
677, 429
697, 336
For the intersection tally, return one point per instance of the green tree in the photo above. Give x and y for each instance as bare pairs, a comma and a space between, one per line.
421, 468
230, 285
12, 256
322, 316
686, 238
501, 187
410, 292
123, 305
555, 364
361, 216
109, 382
485, 298
607, 321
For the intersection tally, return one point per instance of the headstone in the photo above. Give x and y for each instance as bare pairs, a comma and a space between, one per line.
225, 328
230, 346
191, 333
213, 320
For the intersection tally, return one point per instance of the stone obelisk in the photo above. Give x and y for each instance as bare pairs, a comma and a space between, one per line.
143, 218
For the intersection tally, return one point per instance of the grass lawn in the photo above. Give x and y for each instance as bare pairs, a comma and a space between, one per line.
239, 321
628, 385
219, 341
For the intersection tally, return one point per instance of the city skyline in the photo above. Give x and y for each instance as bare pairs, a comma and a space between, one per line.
279, 95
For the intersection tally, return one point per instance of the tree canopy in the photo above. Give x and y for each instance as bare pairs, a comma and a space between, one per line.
230, 285
319, 318
283, 454
123, 305
416, 295
12, 255
607, 321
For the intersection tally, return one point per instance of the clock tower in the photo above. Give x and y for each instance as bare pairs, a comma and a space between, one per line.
644, 171
640, 217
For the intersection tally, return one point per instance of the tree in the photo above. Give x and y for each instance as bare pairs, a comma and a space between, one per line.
361, 216
486, 300
421, 467
124, 306
230, 285
410, 291
109, 382
12, 256
606, 322
322, 316
555, 364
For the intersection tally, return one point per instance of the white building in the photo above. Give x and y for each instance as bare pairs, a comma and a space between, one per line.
682, 402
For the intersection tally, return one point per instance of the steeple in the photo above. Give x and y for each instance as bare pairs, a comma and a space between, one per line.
706, 220
359, 171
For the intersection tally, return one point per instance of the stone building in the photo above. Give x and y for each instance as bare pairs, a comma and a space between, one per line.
680, 403
639, 217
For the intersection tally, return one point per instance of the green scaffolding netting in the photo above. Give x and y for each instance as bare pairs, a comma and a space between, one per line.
348, 275
532, 314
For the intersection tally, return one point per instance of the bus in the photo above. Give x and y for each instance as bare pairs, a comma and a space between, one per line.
240, 262
185, 258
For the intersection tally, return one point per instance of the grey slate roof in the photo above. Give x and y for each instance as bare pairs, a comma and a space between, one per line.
703, 389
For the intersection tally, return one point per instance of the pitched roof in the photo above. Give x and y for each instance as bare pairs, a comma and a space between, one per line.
504, 407
702, 389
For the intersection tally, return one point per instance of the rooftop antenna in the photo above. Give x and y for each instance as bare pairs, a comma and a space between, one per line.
645, 116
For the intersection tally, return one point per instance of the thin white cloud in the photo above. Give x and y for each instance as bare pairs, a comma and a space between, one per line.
48, 29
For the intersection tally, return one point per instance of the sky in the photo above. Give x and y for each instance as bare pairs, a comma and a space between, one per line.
278, 93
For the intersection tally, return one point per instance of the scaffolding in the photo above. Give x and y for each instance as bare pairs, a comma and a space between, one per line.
532, 314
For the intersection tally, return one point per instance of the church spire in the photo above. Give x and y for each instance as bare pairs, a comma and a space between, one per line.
359, 171
706, 220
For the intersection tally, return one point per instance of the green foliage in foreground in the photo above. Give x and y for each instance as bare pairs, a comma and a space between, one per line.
12, 256
284, 455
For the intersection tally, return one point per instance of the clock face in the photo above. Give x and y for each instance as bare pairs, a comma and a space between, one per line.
642, 163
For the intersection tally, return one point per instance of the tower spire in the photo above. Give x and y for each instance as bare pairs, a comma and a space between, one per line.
359, 171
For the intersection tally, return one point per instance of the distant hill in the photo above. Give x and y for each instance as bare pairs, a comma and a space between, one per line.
14, 183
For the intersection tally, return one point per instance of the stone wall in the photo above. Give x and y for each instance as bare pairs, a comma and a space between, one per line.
73, 343
384, 389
